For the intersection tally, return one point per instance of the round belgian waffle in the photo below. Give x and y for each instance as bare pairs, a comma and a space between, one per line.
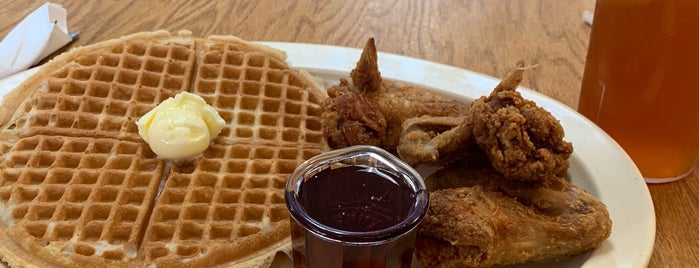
78, 186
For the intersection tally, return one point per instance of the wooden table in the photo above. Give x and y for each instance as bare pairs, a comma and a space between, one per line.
486, 36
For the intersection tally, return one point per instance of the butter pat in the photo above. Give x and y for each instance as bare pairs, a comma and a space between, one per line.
181, 127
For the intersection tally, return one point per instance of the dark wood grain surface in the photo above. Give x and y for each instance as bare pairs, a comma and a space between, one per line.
486, 36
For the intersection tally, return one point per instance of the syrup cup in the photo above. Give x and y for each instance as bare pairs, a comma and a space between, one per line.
322, 240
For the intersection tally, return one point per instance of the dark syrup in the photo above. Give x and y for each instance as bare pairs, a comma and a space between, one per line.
356, 198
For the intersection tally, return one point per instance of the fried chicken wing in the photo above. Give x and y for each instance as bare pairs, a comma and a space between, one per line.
523, 140
370, 110
438, 141
478, 218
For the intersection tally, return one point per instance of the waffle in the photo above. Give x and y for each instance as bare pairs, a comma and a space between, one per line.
79, 187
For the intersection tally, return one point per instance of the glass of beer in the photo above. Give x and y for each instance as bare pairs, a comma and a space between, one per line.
640, 82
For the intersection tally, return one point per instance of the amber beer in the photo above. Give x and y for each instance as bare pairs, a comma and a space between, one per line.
641, 82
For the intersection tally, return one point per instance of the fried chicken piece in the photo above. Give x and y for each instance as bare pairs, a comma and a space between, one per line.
478, 218
438, 141
522, 140
370, 110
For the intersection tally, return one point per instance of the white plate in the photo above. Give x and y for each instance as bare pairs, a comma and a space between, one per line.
598, 164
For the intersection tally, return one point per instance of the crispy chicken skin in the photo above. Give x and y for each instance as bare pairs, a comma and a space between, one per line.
438, 141
523, 141
478, 218
370, 110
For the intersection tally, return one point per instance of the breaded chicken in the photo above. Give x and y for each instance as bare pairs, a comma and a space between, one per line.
522, 140
478, 218
370, 110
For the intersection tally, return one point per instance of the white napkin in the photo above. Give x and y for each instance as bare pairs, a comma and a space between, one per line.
41, 33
